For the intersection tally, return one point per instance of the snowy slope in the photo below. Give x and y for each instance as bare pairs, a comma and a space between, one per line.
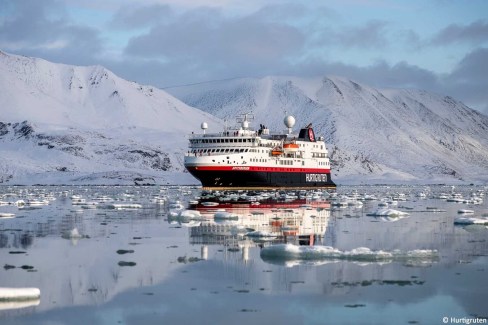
69, 124
378, 135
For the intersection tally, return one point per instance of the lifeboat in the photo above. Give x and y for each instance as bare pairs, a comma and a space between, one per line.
276, 151
290, 147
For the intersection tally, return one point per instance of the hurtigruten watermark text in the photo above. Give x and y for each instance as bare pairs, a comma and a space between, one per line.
464, 320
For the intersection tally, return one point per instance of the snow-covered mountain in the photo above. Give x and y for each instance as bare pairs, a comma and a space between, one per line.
379, 135
69, 124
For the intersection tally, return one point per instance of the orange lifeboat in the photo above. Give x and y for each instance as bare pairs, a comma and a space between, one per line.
290, 147
276, 151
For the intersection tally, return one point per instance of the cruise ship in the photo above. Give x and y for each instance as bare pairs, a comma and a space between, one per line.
244, 158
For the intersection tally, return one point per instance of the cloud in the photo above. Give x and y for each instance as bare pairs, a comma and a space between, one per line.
469, 81
166, 43
130, 17
473, 33
370, 35
206, 40
42, 28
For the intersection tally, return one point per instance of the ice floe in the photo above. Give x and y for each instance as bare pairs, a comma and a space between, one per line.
16, 294
290, 251
470, 221
465, 211
388, 213
7, 215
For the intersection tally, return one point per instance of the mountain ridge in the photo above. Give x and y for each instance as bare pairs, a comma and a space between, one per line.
373, 134
70, 124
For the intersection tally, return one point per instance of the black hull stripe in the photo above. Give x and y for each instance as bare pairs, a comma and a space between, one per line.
261, 180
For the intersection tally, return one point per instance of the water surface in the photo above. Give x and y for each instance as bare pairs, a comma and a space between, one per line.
147, 263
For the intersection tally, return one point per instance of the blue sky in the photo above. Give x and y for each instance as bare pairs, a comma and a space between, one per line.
438, 45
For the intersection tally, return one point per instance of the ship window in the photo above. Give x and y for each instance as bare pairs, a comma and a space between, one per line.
226, 150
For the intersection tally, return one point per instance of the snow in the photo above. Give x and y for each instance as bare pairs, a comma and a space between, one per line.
377, 136
62, 124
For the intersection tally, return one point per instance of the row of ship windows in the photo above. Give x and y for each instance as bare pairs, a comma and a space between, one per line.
219, 150
222, 140
281, 162
239, 140
234, 150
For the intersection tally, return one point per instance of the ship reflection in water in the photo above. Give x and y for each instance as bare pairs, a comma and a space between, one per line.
243, 220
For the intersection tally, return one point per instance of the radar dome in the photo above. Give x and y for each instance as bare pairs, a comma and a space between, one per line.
289, 121
204, 126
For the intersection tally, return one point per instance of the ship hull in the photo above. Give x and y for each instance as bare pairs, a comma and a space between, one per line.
242, 179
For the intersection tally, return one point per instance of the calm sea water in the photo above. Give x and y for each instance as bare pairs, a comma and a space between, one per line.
146, 262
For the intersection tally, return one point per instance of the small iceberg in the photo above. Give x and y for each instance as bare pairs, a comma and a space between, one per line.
120, 206
72, 234
388, 213
187, 218
360, 254
224, 215
260, 234
6, 215
190, 214
19, 294
465, 211
471, 221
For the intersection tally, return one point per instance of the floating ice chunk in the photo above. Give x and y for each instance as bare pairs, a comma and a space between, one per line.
19, 294
7, 215
465, 211
470, 221
5, 305
290, 251
37, 202
223, 215
388, 212
176, 205
120, 206
260, 234
72, 234
190, 214
127, 206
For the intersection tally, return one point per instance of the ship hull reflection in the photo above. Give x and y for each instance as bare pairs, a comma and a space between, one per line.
299, 221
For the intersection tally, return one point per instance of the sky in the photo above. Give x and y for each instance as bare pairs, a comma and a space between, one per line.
436, 45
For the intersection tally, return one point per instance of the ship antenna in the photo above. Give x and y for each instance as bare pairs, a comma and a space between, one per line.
289, 122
